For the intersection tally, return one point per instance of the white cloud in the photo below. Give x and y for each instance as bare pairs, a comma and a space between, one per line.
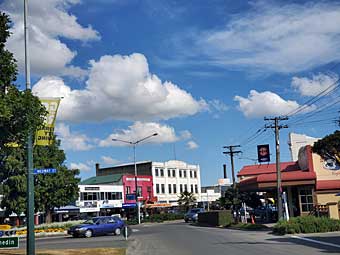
109, 160
312, 87
49, 21
191, 145
281, 38
81, 166
139, 130
73, 141
185, 135
259, 104
120, 88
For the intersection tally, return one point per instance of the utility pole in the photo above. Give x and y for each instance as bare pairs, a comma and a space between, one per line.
231, 153
30, 248
277, 128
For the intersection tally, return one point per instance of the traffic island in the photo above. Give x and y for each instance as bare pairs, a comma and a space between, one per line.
88, 251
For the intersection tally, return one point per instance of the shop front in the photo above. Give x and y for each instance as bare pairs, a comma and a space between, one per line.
311, 184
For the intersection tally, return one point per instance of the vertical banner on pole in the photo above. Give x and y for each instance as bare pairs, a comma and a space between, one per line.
45, 135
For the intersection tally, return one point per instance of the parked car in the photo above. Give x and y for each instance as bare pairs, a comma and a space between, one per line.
192, 214
264, 212
98, 226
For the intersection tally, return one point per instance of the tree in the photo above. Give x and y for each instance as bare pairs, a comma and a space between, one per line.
53, 190
329, 147
235, 197
186, 199
21, 112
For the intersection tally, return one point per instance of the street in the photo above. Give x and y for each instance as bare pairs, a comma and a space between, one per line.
185, 239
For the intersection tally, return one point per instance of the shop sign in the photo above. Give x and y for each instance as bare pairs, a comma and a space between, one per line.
9, 242
84, 209
263, 154
140, 179
128, 205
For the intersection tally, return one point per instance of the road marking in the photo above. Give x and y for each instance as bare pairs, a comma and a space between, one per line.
315, 241
135, 230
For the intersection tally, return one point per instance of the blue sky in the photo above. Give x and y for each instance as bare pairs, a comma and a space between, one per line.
202, 74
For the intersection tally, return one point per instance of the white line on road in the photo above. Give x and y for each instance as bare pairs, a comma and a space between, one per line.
135, 230
315, 241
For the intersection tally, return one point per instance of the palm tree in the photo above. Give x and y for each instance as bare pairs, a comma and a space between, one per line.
186, 199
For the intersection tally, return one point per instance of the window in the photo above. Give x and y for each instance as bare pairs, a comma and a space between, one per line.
163, 188
102, 197
148, 189
173, 173
157, 188
174, 188
180, 173
195, 174
306, 199
139, 191
196, 189
192, 188
156, 172
113, 195
181, 188
190, 174
89, 196
162, 172
185, 187
127, 190
169, 173
185, 173
170, 188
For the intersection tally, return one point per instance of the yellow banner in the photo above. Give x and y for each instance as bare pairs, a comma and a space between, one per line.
45, 135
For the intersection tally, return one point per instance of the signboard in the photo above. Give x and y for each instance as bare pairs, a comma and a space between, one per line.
140, 179
129, 205
45, 171
9, 242
263, 154
130, 197
45, 135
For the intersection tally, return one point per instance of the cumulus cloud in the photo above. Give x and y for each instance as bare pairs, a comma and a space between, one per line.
120, 88
49, 22
81, 166
315, 85
185, 134
280, 38
71, 140
259, 104
191, 145
139, 130
109, 160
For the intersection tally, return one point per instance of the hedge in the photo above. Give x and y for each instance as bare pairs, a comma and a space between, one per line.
158, 218
216, 218
306, 224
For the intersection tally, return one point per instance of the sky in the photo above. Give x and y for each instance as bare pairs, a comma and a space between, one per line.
202, 74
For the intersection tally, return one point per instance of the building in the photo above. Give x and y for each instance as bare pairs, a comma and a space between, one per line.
297, 141
144, 190
170, 178
311, 183
101, 195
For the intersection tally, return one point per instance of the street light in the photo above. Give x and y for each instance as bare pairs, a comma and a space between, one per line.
134, 144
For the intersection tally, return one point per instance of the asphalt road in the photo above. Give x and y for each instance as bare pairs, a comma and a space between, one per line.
185, 239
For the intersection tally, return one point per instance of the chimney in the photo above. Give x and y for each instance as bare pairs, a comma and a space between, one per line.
224, 171
97, 169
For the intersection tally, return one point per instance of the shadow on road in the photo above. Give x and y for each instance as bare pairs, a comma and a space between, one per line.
321, 247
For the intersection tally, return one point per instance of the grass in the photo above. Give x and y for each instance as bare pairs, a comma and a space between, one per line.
89, 251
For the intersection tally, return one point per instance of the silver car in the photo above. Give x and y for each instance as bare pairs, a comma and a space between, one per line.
192, 214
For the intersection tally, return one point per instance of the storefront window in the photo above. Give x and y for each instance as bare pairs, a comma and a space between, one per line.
306, 200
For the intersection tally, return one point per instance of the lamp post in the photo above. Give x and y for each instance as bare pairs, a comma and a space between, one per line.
134, 144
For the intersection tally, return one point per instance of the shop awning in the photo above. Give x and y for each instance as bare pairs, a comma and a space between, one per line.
158, 205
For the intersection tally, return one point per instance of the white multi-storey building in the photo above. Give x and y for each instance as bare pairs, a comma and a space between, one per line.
170, 178
173, 177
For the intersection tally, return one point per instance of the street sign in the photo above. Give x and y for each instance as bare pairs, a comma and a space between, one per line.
130, 197
128, 205
9, 242
45, 171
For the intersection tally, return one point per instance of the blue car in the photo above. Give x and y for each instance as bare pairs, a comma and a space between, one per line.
98, 226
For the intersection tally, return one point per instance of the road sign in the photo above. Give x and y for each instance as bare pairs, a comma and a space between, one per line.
45, 171
128, 205
7, 233
9, 242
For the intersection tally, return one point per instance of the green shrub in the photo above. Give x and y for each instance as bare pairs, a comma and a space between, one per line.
249, 226
306, 224
216, 218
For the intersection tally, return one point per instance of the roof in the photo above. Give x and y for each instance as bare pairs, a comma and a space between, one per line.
267, 168
113, 178
131, 163
327, 184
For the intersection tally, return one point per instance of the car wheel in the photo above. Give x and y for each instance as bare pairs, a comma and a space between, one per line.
88, 233
117, 231
186, 221
75, 235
